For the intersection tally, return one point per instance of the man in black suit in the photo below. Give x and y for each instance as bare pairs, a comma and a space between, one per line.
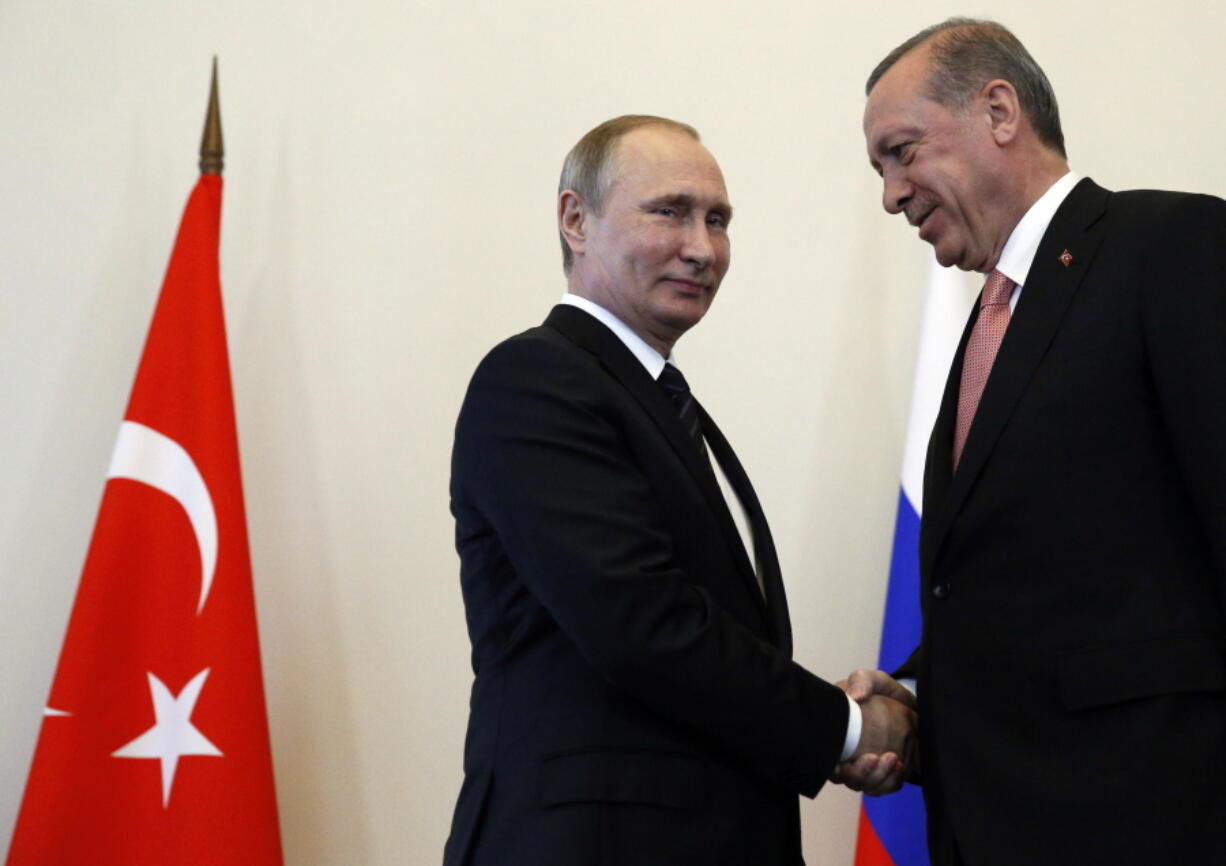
635, 701
1072, 671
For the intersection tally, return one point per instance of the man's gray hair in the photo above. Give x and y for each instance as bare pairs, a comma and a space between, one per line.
967, 54
588, 168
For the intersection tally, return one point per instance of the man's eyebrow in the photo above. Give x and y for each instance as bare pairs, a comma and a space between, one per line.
879, 146
898, 134
687, 201
680, 199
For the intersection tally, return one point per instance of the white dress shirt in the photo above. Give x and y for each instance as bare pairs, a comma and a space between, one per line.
1019, 252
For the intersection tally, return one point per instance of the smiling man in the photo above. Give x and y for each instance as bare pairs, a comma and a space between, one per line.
1072, 672
635, 700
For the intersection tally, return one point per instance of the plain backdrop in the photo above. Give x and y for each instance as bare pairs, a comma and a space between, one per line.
388, 217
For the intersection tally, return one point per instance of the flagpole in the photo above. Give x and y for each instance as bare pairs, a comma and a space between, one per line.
212, 149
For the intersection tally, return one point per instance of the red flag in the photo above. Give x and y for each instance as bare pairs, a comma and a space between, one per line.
154, 746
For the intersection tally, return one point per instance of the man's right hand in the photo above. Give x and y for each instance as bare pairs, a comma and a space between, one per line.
887, 746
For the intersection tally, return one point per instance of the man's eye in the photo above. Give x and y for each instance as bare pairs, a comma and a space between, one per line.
901, 151
666, 211
716, 220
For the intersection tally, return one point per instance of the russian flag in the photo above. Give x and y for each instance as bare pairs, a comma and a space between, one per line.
891, 831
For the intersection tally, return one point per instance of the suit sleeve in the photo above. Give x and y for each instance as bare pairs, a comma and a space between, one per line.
1184, 315
543, 455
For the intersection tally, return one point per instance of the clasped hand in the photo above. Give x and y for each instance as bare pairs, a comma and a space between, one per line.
888, 751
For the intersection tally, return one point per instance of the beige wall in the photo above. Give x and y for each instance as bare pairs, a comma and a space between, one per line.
388, 217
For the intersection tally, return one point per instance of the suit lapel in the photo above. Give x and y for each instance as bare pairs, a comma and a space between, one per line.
1050, 287
776, 604
586, 331
939, 462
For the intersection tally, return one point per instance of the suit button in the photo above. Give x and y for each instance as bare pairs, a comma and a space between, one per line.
940, 590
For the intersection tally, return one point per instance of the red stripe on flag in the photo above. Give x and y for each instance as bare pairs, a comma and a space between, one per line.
869, 850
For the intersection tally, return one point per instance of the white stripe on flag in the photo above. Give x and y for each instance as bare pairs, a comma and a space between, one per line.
949, 294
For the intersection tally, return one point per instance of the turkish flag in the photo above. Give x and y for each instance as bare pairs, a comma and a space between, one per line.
154, 744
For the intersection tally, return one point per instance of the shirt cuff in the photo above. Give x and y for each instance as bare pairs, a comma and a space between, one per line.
854, 722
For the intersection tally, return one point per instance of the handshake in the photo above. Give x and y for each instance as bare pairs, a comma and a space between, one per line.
888, 753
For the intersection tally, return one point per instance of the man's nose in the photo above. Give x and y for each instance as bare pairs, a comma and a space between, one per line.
896, 192
699, 248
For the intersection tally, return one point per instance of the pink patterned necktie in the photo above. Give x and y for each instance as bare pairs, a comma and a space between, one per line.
981, 351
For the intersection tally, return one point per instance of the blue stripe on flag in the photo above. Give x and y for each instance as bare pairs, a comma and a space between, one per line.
899, 818
900, 632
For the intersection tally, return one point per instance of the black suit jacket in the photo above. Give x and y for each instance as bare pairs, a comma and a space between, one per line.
635, 702
1072, 675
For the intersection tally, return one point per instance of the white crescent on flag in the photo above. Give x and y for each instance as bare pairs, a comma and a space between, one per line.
145, 455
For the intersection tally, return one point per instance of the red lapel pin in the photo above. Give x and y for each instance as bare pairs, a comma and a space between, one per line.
1066, 258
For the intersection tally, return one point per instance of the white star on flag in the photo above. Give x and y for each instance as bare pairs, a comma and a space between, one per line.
174, 735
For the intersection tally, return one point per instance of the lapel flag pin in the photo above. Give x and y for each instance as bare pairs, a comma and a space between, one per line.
1066, 258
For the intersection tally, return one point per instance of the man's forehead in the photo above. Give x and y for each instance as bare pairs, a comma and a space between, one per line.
674, 161
903, 82
899, 99
650, 146
890, 114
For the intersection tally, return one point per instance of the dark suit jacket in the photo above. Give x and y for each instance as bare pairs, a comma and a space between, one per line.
635, 701
1072, 675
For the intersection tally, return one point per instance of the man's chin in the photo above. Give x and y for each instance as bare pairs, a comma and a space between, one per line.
682, 317
948, 257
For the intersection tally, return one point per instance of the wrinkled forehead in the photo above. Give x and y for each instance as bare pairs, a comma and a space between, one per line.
662, 157
648, 146
899, 105
902, 85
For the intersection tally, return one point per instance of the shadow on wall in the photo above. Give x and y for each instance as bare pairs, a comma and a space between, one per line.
306, 669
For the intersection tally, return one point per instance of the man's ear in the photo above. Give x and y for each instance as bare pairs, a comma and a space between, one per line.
1004, 111
573, 220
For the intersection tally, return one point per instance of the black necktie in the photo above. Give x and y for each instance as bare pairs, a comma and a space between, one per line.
678, 390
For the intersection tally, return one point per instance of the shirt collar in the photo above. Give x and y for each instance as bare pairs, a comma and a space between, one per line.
651, 360
1019, 252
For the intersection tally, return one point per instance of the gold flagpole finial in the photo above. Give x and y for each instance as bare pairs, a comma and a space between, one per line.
212, 151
